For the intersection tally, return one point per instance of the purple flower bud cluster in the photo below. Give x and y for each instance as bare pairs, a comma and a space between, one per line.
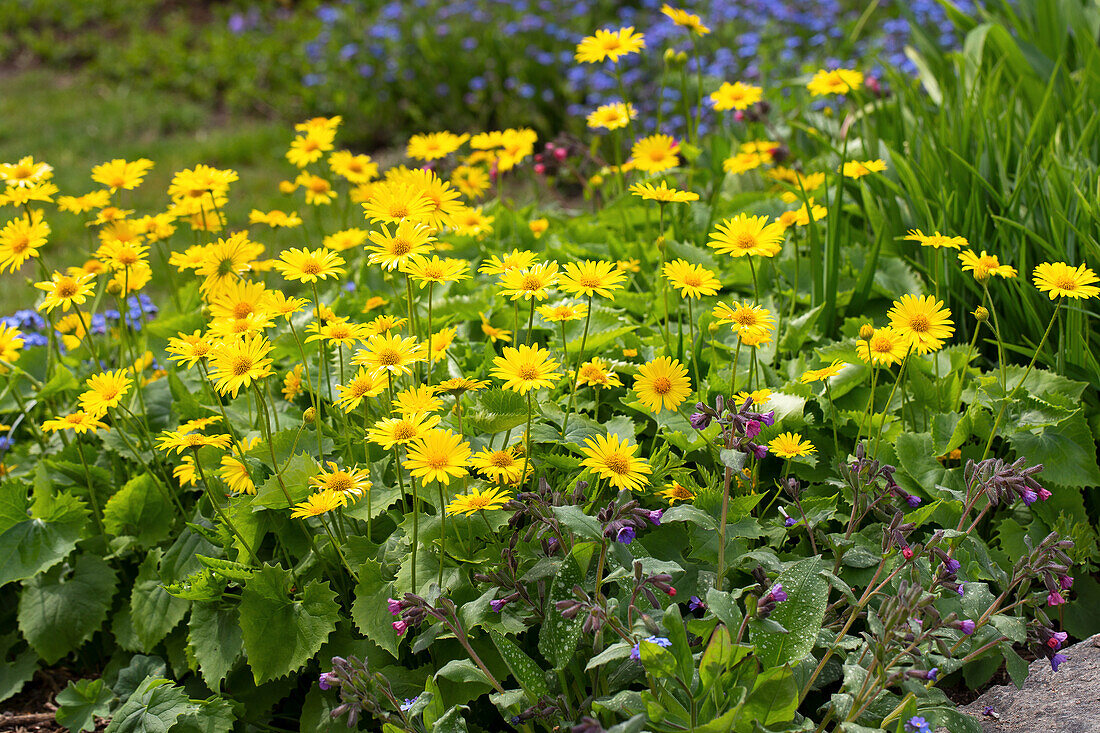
411, 610
622, 522
872, 482
739, 428
1005, 482
362, 694
1050, 641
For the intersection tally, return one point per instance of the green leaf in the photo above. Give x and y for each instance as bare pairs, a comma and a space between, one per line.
154, 707
452, 721
528, 674
733, 459
677, 634
578, 522
295, 477
1011, 626
716, 657
61, 381
154, 612
39, 541
213, 715
227, 568
1015, 665
689, 513
140, 509
774, 697
59, 610
1067, 452
801, 614
559, 635
16, 669
82, 702
303, 624
370, 612
214, 636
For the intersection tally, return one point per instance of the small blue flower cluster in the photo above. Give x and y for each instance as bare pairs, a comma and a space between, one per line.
471, 51
139, 310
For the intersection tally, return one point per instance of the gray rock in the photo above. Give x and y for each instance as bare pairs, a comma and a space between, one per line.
1067, 701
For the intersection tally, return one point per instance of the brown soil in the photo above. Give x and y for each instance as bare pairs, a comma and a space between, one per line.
32, 710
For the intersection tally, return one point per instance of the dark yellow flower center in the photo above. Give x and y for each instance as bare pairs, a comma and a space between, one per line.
241, 365
617, 463
662, 385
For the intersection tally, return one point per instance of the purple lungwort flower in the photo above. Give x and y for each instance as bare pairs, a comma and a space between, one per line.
1065, 581
394, 606
917, 724
636, 652
1057, 639
1057, 660
498, 605
776, 593
951, 565
700, 420
967, 626
655, 516
625, 535
409, 702
695, 603
1054, 598
912, 500
326, 680
400, 627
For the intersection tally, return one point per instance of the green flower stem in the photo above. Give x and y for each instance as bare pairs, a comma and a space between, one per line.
428, 338
832, 406
1027, 372
733, 370
96, 511
531, 321
442, 533
527, 443
726, 477
966, 363
577, 368
314, 397
88, 337
221, 514
869, 411
321, 353
339, 551
694, 361
886, 407
662, 247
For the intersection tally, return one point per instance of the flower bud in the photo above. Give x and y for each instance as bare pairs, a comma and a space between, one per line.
310, 415
981, 314
866, 331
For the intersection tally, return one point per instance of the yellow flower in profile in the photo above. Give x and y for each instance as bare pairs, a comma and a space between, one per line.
1058, 279
413, 400
311, 147
495, 334
118, 173
469, 221
347, 482
591, 277
838, 81
180, 441
747, 235
392, 201
655, 153
693, 281
538, 227
318, 190
337, 331
105, 390
80, 421
185, 473
344, 239
759, 398
440, 341
629, 265
409, 238
363, 384
612, 116
390, 354
860, 168
662, 193
479, 500
234, 472
744, 316
11, 342
275, 219
791, 445
517, 259
613, 458
885, 347
189, 348
935, 240
200, 182
684, 19
735, 96
984, 265
355, 169
237, 363
292, 383
65, 291
25, 173
820, 375
17, 196
597, 373
662, 383
438, 455
319, 503
424, 270
471, 180
434, 145
676, 492
743, 163
82, 204
923, 320
529, 283
20, 240
461, 385
309, 266
563, 312
526, 368
393, 431
502, 466
608, 44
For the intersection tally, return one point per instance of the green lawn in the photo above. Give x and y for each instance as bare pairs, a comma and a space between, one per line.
74, 122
